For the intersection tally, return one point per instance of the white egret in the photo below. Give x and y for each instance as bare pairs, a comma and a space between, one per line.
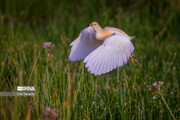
103, 49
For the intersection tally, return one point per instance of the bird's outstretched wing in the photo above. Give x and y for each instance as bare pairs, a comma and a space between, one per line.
84, 44
117, 31
113, 53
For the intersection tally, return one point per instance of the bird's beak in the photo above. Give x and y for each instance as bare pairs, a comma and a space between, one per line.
89, 25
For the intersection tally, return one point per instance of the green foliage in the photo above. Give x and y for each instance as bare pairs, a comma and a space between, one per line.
67, 86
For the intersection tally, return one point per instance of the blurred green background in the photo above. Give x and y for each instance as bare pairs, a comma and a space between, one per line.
68, 87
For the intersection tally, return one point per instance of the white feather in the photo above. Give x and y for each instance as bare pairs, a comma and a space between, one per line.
84, 44
113, 53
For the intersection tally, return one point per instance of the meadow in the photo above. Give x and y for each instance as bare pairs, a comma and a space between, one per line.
148, 90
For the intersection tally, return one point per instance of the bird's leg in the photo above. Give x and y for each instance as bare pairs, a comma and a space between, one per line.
133, 60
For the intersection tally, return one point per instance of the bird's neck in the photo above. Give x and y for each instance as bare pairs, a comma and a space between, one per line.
102, 34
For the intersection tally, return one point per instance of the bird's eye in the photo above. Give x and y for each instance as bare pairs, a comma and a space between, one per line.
94, 24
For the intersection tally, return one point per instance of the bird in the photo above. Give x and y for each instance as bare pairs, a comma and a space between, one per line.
103, 49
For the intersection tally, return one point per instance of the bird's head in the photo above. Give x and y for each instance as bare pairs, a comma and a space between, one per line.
94, 25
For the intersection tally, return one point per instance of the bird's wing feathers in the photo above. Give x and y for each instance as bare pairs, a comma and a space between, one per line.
84, 44
113, 53
117, 31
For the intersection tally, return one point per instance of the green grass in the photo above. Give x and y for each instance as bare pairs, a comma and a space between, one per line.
67, 86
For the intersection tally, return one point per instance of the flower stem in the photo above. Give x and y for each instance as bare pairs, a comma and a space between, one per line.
168, 107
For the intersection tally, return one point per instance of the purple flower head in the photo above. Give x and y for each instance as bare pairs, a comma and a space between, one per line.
154, 84
48, 45
161, 82
50, 113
